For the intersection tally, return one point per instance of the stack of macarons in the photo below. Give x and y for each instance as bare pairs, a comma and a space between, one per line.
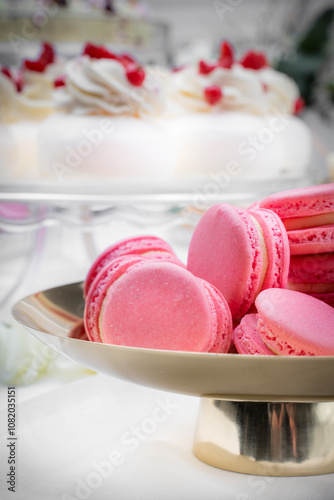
147, 298
246, 268
308, 216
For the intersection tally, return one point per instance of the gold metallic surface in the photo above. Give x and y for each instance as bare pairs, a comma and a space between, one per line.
269, 439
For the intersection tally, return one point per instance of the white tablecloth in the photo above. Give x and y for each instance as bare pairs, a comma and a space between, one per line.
103, 438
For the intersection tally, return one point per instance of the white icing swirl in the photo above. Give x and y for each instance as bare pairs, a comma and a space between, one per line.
100, 86
34, 102
258, 92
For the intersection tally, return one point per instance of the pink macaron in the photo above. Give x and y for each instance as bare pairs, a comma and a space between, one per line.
317, 239
294, 323
306, 202
149, 246
246, 338
240, 253
157, 304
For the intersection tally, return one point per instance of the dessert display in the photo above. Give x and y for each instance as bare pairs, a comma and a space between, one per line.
237, 116
104, 115
138, 293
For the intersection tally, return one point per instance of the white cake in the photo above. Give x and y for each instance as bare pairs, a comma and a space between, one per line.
106, 127
249, 130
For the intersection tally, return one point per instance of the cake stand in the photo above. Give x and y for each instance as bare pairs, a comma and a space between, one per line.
260, 415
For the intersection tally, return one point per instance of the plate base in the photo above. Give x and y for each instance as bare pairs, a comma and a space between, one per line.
266, 438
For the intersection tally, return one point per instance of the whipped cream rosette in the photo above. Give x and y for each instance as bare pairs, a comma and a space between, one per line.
252, 91
101, 86
235, 119
108, 121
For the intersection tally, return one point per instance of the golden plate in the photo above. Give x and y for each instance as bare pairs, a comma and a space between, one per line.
51, 314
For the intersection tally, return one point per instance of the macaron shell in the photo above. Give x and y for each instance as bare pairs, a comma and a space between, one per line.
301, 202
99, 289
312, 268
246, 338
328, 298
166, 308
223, 339
277, 244
318, 239
225, 251
136, 245
293, 323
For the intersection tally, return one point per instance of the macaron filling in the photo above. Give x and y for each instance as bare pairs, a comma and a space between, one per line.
277, 248
304, 222
260, 262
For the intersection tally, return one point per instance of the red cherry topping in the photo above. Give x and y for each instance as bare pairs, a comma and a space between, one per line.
226, 58
225, 62
37, 66
205, 68
46, 57
299, 105
254, 60
135, 74
226, 50
6, 71
17, 81
60, 81
98, 52
48, 54
213, 94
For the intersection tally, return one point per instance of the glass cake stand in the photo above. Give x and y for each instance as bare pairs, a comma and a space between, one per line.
258, 415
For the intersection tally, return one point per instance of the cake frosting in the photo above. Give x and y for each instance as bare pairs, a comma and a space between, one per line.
193, 123
241, 112
101, 86
257, 92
